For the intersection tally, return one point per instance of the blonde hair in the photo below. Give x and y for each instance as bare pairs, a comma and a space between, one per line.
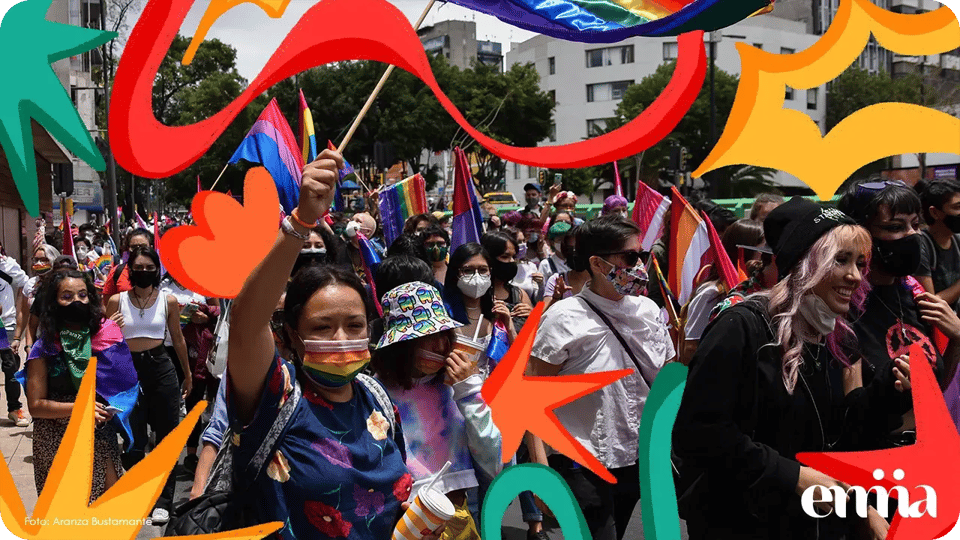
789, 326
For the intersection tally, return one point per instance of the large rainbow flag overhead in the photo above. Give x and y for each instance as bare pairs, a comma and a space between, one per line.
400, 201
271, 143
610, 21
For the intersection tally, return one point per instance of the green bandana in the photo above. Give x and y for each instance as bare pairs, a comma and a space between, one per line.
76, 352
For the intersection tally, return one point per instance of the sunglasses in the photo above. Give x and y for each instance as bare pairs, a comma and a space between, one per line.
872, 188
631, 257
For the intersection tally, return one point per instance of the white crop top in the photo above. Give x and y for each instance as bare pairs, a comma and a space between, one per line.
153, 323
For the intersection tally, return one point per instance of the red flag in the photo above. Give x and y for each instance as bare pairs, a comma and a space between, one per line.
649, 212
67, 231
726, 271
229, 193
156, 229
741, 266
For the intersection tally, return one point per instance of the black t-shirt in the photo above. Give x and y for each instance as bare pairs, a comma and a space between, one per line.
887, 328
941, 265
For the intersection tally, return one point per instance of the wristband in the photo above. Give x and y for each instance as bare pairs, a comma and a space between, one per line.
287, 228
302, 223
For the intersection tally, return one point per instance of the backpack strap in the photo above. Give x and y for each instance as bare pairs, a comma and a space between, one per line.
222, 473
383, 399
6, 277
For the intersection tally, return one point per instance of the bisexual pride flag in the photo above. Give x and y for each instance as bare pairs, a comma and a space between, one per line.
399, 202
116, 377
610, 21
270, 142
467, 223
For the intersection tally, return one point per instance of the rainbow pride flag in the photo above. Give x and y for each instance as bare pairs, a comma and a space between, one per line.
610, 21
399, 202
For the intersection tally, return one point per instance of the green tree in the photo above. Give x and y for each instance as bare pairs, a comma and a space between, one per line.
509, 107
693, 131
184, 95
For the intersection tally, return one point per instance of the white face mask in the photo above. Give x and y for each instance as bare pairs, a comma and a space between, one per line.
818, 314
474, 285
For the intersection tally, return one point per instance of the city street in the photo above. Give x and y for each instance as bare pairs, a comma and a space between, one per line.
17, 448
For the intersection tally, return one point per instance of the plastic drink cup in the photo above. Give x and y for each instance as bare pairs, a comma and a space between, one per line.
470, 348
428, 511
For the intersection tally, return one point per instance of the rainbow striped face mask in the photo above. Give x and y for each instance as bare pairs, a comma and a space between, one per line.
335, 363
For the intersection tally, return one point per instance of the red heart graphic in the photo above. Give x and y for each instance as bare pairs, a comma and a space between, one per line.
215, 256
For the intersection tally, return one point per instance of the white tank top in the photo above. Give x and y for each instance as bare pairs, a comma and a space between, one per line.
153, 323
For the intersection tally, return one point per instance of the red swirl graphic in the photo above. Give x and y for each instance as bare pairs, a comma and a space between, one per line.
331, 31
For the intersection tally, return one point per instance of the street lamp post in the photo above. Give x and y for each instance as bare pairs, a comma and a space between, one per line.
714, 39
111, 163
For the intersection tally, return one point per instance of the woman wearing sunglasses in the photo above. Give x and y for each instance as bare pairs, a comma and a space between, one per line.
711, 292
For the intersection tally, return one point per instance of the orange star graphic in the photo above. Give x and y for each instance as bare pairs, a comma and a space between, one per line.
521, 403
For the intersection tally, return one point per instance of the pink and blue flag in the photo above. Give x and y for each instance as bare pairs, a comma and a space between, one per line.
499, 344
270, 142
347, 173
610, 21
116, 376
370, 260
467, 222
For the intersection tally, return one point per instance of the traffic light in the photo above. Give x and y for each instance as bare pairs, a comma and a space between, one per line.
63, 178
674, 158
684, 155
542, 178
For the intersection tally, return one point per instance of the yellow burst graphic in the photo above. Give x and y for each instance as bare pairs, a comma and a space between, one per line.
62, 509
273, 8
761, 132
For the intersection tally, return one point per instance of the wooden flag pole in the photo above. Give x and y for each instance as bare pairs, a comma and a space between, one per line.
219, 176
376, 91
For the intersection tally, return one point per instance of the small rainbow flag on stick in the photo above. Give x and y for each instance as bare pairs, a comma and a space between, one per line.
400, 201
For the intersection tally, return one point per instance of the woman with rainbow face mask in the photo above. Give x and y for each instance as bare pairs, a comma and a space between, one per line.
437, 392
28, 319
338, 468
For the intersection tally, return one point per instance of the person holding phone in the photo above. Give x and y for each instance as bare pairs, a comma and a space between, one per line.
72, 329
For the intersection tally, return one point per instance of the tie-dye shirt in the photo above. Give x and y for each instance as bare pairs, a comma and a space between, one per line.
443, 423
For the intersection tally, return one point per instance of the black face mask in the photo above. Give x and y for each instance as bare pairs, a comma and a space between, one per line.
310, 257
952, 223
144, 278
503, 271
898, 257
75, 312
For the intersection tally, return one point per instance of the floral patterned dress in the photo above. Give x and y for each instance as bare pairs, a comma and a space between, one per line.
336, 472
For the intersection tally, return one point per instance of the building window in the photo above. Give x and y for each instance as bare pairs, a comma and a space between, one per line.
758, 45
812, 99
516, 170
609, 56
553, 96
607, 91
789, 94
595, 58
785, 50
553, 132
530, 173
552, 61
669, 51
595, 126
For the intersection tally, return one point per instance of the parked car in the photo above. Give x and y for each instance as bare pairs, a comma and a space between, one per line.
501, 198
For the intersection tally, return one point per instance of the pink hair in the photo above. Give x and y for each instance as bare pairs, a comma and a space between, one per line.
790, 327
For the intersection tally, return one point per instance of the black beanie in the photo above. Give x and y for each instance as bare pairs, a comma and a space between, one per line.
792, 228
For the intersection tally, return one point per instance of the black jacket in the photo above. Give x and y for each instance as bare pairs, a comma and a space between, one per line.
738, 430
